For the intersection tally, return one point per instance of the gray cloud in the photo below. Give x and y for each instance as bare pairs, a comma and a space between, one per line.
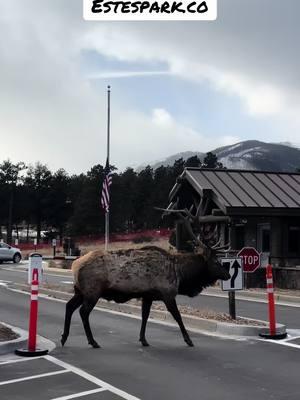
49, 111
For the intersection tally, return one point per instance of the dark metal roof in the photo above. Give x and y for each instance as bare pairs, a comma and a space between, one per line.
247, 189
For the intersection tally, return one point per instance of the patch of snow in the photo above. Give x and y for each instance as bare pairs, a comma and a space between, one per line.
228, 149
252, 150
236, 163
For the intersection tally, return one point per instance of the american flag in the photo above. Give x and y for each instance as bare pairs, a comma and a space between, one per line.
105, 188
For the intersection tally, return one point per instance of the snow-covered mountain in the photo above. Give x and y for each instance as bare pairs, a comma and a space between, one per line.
250, 154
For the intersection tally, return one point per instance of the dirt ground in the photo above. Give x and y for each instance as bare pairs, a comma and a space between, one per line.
6, 333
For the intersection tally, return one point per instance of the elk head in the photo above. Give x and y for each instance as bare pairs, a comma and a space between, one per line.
206, 244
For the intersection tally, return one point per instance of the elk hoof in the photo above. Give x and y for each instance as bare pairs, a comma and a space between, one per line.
189, 342
94, 344
144, 342
63, 339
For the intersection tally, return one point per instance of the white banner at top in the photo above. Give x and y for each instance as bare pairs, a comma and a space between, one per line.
144, 10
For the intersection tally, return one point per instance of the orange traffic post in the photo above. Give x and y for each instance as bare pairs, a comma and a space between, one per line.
271, 333
32, 351
33, 311
271, 302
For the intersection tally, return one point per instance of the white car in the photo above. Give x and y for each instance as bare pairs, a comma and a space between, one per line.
9, 253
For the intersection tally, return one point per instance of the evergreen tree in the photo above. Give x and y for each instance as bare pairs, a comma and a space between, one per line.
211, 161
143, 205
59, 204
9, 180
38, 182
193, 161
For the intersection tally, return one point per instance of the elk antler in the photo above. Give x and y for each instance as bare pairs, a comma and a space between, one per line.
223, 249
187, 218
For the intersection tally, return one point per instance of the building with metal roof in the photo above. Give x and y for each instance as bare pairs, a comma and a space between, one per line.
253, 191
263, 207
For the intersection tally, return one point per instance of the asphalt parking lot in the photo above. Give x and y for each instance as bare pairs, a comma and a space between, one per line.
49, 378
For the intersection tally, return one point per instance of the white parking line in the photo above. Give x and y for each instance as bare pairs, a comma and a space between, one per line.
293, 334
91, 378
28, 378
68, 368
81, 394
4, 283
281, 343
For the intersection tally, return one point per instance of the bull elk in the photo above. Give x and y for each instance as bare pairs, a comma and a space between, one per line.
149, 273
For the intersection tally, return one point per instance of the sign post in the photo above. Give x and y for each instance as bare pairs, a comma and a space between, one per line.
234, 265
35, 262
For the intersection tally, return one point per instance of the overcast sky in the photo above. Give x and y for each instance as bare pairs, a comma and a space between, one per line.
175, 86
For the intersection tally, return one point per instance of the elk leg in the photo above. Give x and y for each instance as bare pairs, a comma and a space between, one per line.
85, 311
146, 306
71, 306
173, 309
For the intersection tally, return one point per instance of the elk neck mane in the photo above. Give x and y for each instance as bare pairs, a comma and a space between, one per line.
192, 274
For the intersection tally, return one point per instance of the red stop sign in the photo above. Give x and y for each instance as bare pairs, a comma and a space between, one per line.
251, 259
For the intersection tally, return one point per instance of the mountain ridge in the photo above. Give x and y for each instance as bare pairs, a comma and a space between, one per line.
249, 154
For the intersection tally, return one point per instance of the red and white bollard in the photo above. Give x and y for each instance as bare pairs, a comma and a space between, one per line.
271, 302
33, 311
32, 351
271, 333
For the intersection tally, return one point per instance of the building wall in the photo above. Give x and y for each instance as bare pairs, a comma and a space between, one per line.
286, 264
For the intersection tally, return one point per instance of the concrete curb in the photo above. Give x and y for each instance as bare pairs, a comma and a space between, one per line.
10, 345
191, 322
21, 342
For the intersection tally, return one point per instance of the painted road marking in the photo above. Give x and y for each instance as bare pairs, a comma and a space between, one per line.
293, 334
27, 378
4, 283
17, 360
81, 394
91, 378
101, 386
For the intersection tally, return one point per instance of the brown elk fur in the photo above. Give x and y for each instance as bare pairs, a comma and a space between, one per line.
149, 273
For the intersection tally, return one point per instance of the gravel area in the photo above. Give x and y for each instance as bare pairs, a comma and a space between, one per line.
6, 333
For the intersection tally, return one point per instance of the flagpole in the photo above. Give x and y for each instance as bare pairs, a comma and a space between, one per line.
108, 149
